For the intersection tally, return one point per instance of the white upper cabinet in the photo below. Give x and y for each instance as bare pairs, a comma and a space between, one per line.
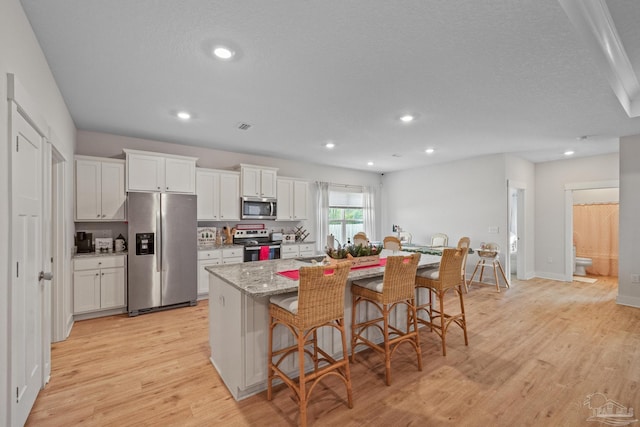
100, 189
156, 172
292, 199
218, 195
258, 181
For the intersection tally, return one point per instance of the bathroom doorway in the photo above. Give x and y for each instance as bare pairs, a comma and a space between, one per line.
515, 251
591, 225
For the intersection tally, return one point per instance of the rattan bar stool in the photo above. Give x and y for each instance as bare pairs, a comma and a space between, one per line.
319, 303
490, 257
439, 282
394, 289
464, 243
392, 243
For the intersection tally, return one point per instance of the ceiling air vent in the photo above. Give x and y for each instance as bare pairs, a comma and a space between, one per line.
243, 126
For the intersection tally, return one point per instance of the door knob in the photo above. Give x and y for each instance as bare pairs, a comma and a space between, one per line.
45, 276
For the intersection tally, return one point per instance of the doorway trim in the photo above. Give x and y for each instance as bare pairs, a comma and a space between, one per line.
568, 218
59, 301
521, 188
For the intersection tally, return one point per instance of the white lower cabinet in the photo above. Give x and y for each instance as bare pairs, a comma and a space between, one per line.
99, 283
295, 250
307, 249
210, 258
206, 259
233, 255
289, 251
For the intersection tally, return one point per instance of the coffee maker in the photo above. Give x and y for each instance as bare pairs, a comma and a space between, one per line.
84, 242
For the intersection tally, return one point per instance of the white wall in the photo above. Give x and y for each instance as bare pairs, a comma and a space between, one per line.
596, 195
463, 198
629, 258
521, 174
551, 178
21, 55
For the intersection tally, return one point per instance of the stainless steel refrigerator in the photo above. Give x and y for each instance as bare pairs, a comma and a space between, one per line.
162, 258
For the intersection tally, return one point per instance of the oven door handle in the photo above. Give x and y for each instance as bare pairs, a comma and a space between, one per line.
252, 248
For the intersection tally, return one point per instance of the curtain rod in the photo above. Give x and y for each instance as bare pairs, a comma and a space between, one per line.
335, 184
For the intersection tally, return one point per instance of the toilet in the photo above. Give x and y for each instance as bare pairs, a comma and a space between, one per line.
580, 264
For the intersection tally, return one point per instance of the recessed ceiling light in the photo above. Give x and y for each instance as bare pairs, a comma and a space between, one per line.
407, 118
429, 150
369, 163
568, 153
330, 145
223, 52
183, 115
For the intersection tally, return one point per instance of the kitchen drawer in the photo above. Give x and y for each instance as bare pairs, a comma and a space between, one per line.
232, 253
289, 249
233, 260
98, 262
307, 248
209, 255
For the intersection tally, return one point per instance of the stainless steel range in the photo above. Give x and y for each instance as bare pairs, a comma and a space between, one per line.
258, 245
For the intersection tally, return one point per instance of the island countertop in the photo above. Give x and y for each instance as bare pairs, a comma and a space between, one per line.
261, 278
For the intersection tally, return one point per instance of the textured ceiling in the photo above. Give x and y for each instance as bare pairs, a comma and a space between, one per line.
482, 77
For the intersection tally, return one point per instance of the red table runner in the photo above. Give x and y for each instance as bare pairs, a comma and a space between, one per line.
295, 274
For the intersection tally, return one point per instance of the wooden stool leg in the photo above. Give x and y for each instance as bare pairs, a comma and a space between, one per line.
387, 347
345, 356
354, 338
430, 292
464, 318
482, 269
474, 272
270, 360
443, 331
412, 309
503, 275
302, 392
495, 273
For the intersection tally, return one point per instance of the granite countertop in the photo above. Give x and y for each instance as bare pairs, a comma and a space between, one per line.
98, 254
261, 278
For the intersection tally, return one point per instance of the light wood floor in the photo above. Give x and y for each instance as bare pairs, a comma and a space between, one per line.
535, 352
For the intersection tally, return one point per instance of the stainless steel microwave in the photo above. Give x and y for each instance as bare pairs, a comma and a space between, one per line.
258, 208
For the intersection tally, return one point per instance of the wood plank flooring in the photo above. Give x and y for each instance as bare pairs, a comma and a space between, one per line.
536, 351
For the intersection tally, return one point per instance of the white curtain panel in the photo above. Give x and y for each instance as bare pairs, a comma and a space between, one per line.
369, 212
322, 220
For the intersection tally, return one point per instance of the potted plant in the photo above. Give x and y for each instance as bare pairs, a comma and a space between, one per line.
359, 255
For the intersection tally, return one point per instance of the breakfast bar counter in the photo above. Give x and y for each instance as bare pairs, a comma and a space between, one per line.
239, 318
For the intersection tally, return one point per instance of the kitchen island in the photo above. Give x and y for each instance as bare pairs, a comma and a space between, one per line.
239, 318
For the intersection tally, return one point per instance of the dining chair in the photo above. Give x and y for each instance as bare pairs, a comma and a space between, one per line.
439, 239
405, 237
439, 282
360, 239
384, 294
490, 257
464, 243
392, 243
319, 303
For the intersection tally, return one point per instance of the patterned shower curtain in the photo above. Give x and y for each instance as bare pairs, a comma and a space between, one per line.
595, 235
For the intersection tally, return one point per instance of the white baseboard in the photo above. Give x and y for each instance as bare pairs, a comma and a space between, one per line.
551, 276
69, 326
628, 300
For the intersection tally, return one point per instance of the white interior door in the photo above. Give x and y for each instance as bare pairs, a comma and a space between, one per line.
26, 289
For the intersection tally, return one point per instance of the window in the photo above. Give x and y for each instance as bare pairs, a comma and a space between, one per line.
345, 214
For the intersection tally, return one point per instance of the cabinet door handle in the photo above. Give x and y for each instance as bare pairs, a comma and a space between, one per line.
97, 274
158, 188
103, 274
98, 216
103, 215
